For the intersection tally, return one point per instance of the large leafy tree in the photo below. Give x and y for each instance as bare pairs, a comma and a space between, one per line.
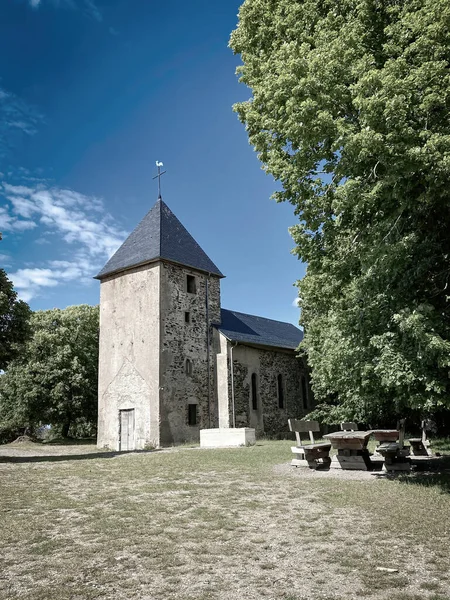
14, 321
350, 112
54, 380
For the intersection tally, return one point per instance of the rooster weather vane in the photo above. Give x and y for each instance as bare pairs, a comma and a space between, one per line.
159, 164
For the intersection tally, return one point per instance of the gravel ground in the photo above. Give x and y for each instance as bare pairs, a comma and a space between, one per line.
305, 473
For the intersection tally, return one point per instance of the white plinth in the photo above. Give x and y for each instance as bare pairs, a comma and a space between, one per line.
223, 437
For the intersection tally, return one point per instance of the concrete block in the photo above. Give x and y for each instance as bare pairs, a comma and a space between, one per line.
223, 437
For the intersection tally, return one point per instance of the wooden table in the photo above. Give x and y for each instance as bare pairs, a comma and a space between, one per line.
386, 435
352, 452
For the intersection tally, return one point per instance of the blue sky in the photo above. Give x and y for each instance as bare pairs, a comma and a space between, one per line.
91, 95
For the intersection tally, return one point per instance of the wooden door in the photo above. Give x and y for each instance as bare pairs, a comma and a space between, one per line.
126, 429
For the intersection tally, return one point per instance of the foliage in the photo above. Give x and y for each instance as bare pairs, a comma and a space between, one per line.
14, 321
349, 111
54, 381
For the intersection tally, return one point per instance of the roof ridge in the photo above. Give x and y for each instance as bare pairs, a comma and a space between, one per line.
259, 317
254, 330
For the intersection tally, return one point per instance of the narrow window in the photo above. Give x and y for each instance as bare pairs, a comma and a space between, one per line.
188, 367
280, 391
192, 414
190, 284
254, 393
187, 317
304, 393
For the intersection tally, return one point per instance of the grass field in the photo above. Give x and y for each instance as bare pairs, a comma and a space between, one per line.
191, 524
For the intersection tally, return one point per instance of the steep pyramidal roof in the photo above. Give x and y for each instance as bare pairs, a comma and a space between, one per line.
250, 329
159, 235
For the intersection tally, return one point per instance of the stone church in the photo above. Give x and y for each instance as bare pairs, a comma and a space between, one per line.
173, 361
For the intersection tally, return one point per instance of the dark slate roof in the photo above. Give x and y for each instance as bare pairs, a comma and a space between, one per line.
248, 329
159, 235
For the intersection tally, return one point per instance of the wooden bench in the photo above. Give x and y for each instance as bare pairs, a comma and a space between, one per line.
310, 455
394, 453
395, 458
421, 446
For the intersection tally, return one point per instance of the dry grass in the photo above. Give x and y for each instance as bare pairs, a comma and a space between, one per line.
192, 524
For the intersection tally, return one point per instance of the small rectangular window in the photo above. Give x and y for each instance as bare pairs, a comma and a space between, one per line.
192, 414
304, 393
187, 317
190, 284
254, 393
280, 391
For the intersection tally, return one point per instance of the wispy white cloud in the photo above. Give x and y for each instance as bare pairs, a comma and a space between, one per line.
69, 213
43, 277
77, 219
17, 118
16, 189
88, 7
23, 207
23, 126
12, 223
92, 10
296, 302
29, 281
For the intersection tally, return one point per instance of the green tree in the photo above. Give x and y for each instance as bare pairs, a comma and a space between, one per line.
14, 321
54, 380
350, 112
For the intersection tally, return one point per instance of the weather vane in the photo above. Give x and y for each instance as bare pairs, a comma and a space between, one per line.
159, 164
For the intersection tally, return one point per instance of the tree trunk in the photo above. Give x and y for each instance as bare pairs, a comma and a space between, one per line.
65, 429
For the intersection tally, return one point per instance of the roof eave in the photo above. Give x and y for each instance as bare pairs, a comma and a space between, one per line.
101, 276
256, 345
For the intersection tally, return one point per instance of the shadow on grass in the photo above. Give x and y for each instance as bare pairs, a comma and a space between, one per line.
432, 472
68, 457
69, 442
440, 480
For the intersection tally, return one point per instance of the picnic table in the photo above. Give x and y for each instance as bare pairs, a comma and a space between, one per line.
385, 435
352, 452
392, 449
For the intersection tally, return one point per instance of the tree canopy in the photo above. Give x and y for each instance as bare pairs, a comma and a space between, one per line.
14, 321
350, 112
54, 380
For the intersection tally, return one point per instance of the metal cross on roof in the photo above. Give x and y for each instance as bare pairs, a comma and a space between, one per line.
159, 164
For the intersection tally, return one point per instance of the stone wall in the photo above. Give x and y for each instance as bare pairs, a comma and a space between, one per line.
181, 341
267, 365
129, 355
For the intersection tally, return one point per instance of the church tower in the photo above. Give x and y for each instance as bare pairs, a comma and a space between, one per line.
159, 297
